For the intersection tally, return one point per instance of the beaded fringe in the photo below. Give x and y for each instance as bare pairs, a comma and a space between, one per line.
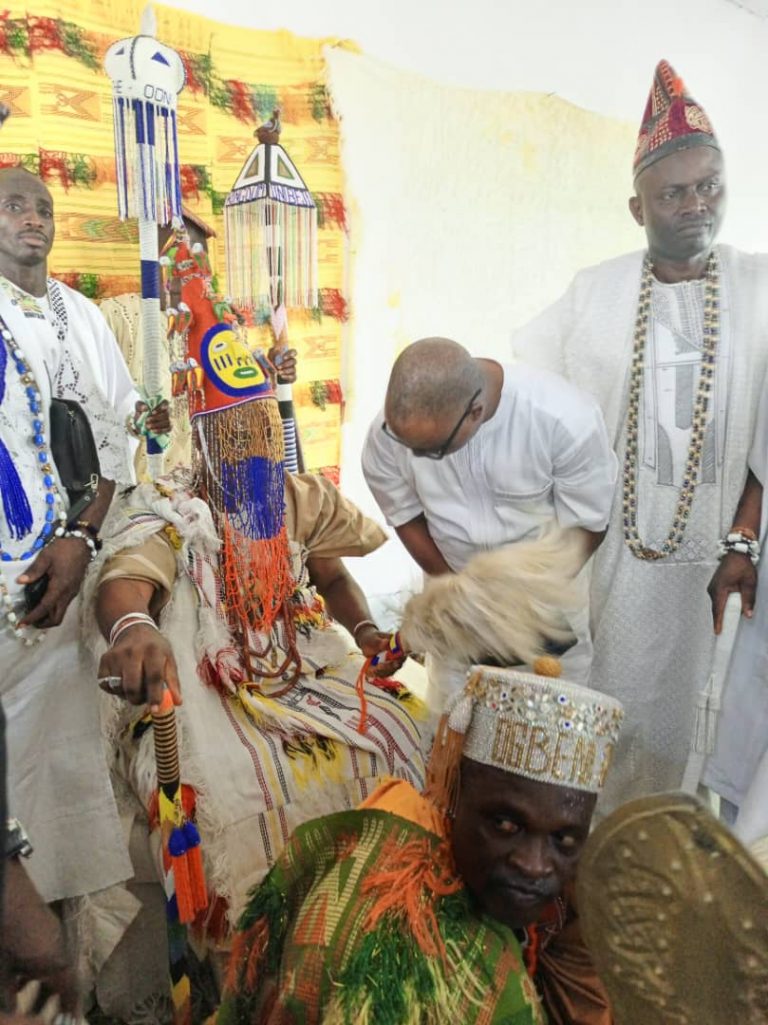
240, 452
271, 254
147, 160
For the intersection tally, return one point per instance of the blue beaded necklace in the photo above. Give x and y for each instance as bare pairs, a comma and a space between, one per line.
16, 508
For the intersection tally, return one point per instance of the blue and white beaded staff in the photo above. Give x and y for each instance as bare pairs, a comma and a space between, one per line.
147, 77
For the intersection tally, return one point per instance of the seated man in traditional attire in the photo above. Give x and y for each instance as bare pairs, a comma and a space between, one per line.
220, 583
454, 905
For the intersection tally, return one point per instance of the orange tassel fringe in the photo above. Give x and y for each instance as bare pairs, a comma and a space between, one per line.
410, 880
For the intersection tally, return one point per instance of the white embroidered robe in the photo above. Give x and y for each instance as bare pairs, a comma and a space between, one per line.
651, 621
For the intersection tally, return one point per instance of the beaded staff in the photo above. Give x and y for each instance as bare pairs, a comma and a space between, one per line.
183, 877
270, 221
147, 77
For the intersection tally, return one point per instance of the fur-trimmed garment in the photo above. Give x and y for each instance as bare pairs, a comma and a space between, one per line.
260, 762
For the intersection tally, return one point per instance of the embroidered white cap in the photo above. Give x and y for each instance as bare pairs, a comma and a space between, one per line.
540, 727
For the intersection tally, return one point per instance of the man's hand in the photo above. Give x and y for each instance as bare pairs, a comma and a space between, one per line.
735, 573
142, 658
33, 942
374, 642
284, 360
64, 561
158, 421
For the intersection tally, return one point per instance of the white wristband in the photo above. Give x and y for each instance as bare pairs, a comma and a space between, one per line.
126, 622
361, 624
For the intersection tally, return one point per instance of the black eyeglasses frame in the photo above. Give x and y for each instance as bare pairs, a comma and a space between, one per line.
442, 450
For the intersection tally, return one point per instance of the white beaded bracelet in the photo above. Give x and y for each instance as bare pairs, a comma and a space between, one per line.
93, 546
736, 541
126, 622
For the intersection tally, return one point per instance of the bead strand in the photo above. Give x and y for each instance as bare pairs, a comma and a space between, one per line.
699, 422
54, 505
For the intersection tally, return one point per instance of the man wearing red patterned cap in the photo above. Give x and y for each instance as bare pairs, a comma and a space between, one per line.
673, 342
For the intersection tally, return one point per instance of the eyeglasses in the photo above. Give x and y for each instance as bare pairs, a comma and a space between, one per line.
442, 450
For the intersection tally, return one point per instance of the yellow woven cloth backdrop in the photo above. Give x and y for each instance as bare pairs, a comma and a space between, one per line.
52, 79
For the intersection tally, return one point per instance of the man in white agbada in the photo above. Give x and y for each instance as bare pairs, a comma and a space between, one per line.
54, 344
469, 455
673, 344
738, 769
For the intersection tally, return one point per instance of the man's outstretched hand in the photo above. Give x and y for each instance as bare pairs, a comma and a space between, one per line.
142, 659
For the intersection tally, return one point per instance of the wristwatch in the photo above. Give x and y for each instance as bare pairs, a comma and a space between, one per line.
17, 843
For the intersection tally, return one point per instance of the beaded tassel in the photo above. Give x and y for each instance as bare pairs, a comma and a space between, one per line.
699, 424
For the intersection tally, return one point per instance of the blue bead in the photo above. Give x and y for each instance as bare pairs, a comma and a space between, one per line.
6, 557
30, 391
43, 457
38, 545
48, 480
38, 439
49, 515
38, 425
26, 555
34, 407
48, 528
21, 369
50, 499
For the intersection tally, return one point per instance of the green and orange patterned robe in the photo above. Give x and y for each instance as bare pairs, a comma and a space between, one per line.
362, 921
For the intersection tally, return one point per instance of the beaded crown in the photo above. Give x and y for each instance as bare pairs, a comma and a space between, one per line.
536, 726
672, 120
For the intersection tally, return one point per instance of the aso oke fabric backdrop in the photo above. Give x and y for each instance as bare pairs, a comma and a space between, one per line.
52, 79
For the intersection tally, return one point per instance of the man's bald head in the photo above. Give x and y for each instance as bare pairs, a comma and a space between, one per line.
433, 378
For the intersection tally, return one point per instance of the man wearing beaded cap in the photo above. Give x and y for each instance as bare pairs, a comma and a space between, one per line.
672, 343
453, 905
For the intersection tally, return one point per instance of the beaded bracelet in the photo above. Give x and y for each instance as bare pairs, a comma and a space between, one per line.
93, 545
126, 622
740, 541
361, 624
90, 530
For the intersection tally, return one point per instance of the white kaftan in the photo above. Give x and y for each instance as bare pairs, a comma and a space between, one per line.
734, 770
544, 454
58, 783
651, 621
